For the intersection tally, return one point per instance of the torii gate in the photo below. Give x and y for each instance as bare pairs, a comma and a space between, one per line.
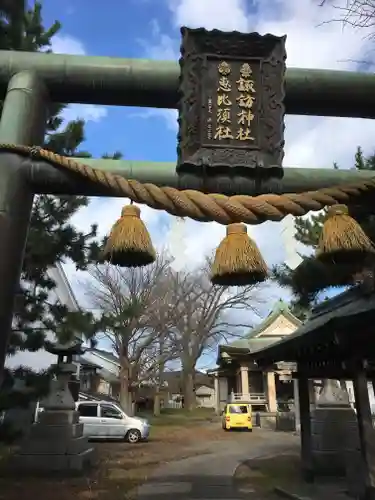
214, 163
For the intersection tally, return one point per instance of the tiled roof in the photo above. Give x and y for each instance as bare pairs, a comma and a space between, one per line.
174, 380
337, 311
84, 363
279, 308
253, 341
110, 356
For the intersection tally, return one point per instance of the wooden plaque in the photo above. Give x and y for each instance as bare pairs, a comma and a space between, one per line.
231, 109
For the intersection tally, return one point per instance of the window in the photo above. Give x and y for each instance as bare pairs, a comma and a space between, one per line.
88, 410
109, 411
238, 409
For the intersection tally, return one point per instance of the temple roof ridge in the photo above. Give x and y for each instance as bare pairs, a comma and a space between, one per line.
279, 308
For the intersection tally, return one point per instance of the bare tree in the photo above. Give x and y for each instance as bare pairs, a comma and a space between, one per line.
125, 300
198, 315
355, 13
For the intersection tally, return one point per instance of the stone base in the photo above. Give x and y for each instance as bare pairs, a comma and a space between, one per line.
334, 431
63, 464
69, 417
355, 474
63, 431
56, 443
60, 446
329, 463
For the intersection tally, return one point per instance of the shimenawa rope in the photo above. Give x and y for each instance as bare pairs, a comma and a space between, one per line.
200, 206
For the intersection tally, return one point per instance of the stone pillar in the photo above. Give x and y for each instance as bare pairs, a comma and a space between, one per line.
217, 394
271, 392
333, 429
366, 432
244, 371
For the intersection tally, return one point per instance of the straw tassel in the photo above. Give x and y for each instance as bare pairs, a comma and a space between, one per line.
129, 243
342, 240
238, 261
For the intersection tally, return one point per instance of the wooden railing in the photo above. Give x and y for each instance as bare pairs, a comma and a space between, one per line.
252, 397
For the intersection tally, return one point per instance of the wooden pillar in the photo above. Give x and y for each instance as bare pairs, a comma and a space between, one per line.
271, 392
217, 394
305, 422
366, 431
296, 405
244, 371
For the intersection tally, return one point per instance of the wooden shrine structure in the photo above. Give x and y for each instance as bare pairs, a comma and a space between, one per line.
240, 379
337, 342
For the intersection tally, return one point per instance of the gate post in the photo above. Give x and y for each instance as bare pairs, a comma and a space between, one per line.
23, 122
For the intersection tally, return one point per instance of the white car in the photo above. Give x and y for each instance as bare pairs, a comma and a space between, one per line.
106, 420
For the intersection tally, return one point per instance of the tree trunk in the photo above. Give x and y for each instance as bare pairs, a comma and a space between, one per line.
157, 404
157, 397
188, 389
125, 394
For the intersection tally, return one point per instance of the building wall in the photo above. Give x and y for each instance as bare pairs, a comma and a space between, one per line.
107, 365
104, 387
205, 397
63, 293
94, 383
256, 382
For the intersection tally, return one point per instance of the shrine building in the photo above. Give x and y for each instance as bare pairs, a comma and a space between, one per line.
239, 379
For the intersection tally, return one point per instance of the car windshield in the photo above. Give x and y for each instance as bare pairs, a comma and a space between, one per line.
119, 407
238, 409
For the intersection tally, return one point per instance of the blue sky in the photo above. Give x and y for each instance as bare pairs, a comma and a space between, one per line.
150, 29
121, 31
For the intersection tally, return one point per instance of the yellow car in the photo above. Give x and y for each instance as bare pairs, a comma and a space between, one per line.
237, 416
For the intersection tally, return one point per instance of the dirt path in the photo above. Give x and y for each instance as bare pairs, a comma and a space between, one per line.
123, 466
191, 455
210, 473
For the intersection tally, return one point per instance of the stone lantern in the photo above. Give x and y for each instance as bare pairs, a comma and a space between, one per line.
66, 385
56, 441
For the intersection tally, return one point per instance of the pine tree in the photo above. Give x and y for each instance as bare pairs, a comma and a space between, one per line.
308, 231
52, 239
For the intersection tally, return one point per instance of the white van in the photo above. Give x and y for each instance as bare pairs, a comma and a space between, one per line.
106, 420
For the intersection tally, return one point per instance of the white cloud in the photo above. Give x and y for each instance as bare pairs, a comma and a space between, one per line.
310, 141
311, 43
66, 44
39, 360
105, 212
87, 112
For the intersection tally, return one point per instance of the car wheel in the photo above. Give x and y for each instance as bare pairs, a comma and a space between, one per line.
133, 436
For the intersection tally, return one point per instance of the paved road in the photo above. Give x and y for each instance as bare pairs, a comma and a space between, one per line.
209, 476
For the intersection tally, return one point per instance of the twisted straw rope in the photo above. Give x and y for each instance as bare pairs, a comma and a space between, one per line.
200, 206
